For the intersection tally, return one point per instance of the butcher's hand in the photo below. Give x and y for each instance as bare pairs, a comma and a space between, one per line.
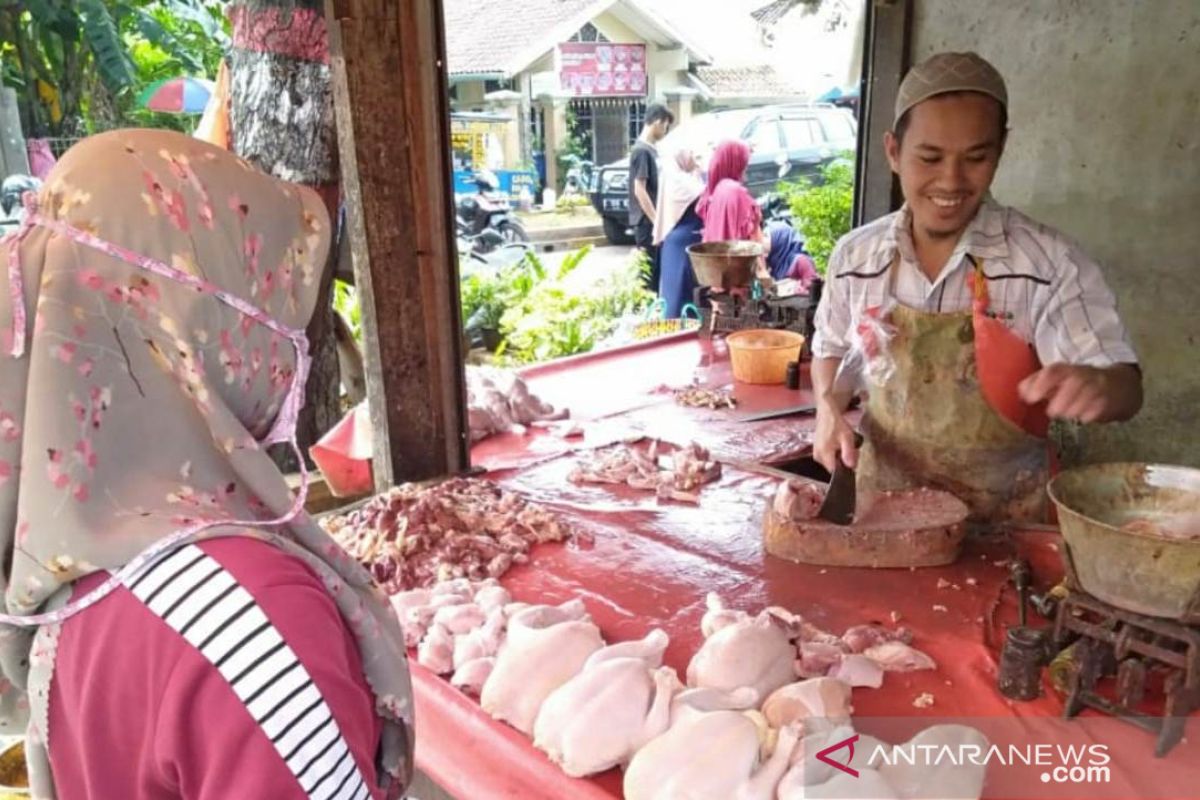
834, 436
1085, 394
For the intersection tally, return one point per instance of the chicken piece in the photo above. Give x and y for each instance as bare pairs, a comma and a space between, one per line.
436, 652
940, 778
816, 698
416, 621
460, 619
605, 714
546, 646
858, 670
718, 616
460, 587
753, 652
860, 637
818, 659
491, 597
899, 657
798, 500
471, 676
481, 642
710, 756
413, 598
690, 703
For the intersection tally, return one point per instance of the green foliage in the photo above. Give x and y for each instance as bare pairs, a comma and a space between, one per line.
345, 302
79, 65
542, 316
823, 210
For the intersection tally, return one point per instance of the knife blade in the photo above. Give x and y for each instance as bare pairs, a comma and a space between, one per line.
778, 412
841, 497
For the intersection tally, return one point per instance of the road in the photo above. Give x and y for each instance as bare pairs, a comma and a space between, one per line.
600, 262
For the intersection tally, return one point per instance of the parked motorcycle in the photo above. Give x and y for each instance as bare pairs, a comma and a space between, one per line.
12, 192
775, 208
579, 176
487, 210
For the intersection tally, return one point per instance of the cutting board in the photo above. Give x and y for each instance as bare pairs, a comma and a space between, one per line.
918, 528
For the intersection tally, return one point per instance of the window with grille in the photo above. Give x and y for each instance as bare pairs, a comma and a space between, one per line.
588, 33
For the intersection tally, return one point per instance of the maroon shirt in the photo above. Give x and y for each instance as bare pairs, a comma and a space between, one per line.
137, 712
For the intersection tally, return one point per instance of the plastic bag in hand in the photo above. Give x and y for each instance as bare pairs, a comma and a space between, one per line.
869, 362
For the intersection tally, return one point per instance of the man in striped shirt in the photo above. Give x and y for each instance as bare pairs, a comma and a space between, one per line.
947, 139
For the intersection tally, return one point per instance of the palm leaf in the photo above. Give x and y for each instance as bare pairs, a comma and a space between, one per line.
156, 34
112, 61
196, 12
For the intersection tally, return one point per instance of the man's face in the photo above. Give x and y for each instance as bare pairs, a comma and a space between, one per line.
947, 160
659, 129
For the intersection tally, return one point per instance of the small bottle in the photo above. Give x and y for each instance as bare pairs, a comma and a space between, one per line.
793, 375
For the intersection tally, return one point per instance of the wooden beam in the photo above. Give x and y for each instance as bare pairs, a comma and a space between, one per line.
391, 102
885, 60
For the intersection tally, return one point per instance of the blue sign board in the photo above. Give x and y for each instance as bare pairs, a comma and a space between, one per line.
511, 182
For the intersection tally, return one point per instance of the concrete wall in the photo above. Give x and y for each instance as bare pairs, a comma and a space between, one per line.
1105, 145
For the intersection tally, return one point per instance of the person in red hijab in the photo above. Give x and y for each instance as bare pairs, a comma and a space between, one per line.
726, 206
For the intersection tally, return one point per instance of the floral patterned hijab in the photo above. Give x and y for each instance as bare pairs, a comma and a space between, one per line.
149, 343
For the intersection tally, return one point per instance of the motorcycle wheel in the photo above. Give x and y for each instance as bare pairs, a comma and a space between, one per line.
512, 231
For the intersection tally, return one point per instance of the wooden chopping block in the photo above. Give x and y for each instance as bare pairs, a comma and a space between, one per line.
919, 528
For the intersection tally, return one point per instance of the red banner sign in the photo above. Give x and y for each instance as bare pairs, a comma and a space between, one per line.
598, 69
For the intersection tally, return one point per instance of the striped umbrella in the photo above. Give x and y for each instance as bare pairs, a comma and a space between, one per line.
177, 95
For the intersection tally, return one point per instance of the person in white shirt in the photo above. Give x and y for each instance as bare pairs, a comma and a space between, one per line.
1001, 323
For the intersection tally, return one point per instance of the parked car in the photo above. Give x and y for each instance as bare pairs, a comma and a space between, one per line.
795, 140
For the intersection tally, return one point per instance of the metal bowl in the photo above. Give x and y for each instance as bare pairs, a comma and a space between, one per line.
14, 777
724, 265
1140, 570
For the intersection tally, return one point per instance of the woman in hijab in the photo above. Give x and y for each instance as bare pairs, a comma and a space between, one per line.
175, 626
727, 208
677, 227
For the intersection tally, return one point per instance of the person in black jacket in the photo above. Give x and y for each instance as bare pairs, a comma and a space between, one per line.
643, 184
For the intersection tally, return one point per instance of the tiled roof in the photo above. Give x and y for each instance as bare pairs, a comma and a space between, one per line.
772, 12
489, 36
732, 82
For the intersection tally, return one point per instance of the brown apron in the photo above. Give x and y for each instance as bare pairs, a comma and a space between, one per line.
931, 426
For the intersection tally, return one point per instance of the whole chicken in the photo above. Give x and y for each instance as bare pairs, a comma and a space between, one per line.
943, 778
709, 756
809, 776
602, 716
753, 652
544, 648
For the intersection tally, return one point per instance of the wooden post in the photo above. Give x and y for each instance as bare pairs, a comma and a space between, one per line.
392, 109
885, 60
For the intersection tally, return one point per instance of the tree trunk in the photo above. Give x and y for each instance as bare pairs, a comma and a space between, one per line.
281, 116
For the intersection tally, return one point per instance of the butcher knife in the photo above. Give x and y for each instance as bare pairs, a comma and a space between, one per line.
778, 412
841, 497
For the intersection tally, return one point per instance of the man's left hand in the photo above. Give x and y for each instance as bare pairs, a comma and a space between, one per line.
1085, 394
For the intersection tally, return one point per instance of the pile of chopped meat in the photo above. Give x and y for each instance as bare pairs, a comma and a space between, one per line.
499, 401
414, 536
696, 397
690, 468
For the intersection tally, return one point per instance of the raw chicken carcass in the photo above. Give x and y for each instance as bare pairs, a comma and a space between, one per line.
755, 653
817, 698
545, 647
606, 713
460, 618
808, 772
899, 657
718, 616
436, 651
471, 676
941, 778
482, 642
709, 756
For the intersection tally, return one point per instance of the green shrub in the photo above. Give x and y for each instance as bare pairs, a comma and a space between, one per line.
822, 210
